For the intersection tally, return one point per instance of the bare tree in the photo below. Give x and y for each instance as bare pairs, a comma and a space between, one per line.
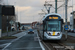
4, 22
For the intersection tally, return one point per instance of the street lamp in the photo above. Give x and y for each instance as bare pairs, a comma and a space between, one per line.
16, 15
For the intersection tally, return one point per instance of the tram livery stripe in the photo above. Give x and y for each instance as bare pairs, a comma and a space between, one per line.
53, 33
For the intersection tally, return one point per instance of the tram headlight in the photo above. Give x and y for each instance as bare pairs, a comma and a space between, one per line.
48, 33
58, 33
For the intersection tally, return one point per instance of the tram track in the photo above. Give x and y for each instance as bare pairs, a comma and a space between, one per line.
46, 46
66, 47
56, 46
59, 45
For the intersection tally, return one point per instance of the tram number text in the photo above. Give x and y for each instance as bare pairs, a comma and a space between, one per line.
53, 17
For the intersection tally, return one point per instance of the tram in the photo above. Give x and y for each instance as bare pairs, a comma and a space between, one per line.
50, 27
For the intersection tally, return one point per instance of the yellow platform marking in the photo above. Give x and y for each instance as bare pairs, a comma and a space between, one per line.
53, 33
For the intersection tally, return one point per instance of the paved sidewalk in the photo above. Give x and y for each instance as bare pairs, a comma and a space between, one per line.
3, 43
9, 33
19, 34
70, 34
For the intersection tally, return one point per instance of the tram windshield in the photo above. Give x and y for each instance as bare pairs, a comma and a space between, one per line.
53, 26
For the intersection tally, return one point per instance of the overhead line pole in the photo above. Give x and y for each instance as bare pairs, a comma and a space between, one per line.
72, 16
55, 6
66, 1
66, 11
0, 21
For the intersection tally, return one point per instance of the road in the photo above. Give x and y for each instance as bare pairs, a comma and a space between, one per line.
26, 42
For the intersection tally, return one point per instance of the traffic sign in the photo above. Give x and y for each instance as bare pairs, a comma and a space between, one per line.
11, 22
8, 10
66, 27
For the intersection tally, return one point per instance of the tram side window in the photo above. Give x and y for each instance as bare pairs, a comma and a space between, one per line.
59, 25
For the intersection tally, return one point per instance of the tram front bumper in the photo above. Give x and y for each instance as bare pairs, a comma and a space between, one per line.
54, 37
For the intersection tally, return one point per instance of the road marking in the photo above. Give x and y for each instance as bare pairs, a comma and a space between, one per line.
40, 43
6, 46
27, 48
18, 38
13, 41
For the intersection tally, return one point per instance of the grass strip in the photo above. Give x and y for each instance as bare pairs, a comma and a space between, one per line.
8, 37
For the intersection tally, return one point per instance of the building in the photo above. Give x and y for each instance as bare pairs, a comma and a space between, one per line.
26, 25
34, 24
72, 20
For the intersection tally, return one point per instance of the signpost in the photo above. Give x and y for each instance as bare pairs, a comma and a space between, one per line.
8, 10
11, 22
66, 27
66, 2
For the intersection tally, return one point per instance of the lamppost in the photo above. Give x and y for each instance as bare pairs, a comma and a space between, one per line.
16, 15
7, 21
55, 6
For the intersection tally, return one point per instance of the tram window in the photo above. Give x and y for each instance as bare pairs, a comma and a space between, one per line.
53, 29
54, 25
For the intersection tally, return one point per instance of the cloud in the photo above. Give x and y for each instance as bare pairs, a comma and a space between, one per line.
27, 9
32, 3
22, 8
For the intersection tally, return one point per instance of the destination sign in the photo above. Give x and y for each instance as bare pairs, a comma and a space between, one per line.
53, 17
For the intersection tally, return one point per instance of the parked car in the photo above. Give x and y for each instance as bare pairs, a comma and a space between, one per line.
73, 30
30, 31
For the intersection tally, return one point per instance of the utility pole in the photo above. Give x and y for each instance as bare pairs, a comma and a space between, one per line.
66, 1
17, 20
7, 26
7, 21
0, 20
55, 6
72, 16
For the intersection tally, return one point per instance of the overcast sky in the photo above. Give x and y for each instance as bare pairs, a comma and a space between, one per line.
28, 10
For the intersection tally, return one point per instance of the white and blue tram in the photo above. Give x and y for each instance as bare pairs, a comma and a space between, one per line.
51, 27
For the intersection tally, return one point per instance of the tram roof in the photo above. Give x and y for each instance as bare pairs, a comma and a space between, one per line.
51, 14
